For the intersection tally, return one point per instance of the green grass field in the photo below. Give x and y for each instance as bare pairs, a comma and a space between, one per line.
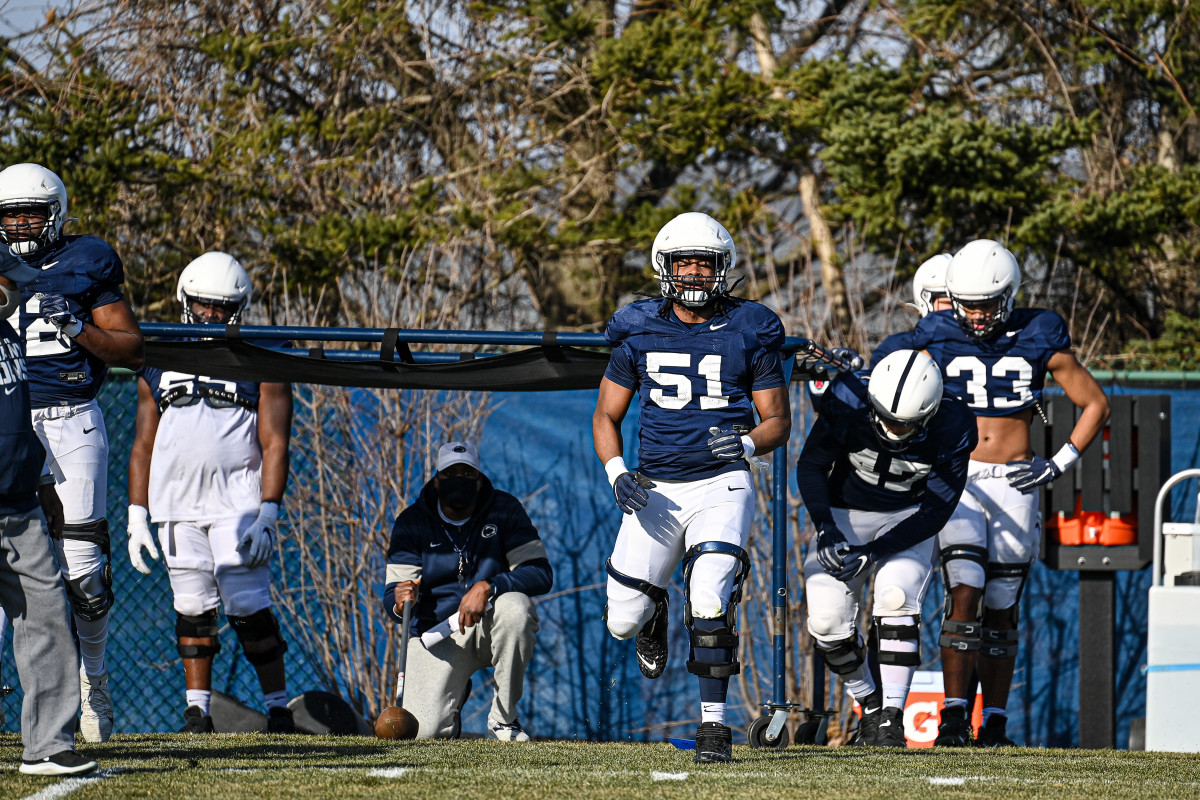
281, 768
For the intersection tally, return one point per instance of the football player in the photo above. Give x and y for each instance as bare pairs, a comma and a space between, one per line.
702, 363
996, 358
881, 472
73, 321
929, 295
209, 464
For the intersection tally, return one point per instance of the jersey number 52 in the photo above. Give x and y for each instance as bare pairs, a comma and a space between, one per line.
678, 391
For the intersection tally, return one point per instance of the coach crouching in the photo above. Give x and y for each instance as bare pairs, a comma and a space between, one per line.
468, 557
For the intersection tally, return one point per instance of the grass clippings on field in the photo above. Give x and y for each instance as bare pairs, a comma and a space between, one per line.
260, 767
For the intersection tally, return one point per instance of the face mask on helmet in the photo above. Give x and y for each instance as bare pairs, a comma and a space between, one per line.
905, 391
692, 256
33, 208
693, 276
214, 288
982, 281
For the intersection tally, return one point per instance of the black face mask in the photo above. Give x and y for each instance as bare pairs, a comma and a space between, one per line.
458, 492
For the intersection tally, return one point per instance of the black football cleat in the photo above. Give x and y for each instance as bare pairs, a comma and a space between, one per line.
955, 730
868, 725
714, 743
891, 729
280, 720
196, 721
651, 643
993, 733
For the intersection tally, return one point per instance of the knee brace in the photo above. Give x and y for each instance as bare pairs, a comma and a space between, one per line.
203, 626
91, 595
725, 637
262, 641
999, 643
843, 656
1005, 583
907, 632
657, 594
963, 552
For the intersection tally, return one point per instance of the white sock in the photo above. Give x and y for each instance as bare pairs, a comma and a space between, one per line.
93, 634
276, 699
200, 698
859, 683
712, 712
895, 678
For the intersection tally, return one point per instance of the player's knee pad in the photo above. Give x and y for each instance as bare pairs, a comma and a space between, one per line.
626, 620
906, 632
261, 638
714, 632
829, 627
890, 601
91, 594
198, 626
1005, 583
843, 656
964, 565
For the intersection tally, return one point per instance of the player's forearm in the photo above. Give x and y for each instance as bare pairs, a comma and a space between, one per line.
1091, 420
606, 438
274, 474
115, 347
771, 433
139, 478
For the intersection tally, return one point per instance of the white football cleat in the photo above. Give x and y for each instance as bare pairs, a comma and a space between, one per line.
96, 712
507, 733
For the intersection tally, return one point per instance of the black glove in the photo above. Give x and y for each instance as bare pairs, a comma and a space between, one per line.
726, 444
1028, 474
630, 491
856, 559
848, 355
830, 543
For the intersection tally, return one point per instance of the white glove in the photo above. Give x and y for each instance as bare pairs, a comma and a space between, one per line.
259, 539
139, 537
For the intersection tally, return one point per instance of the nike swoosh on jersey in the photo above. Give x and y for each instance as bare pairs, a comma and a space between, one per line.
715, 326
48, 266
10, 389
1011, 334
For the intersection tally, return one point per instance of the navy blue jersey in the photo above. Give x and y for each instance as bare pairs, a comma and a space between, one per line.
690, 378
498, 544
897, 341
89, 274
169, 386
1000, 376
843, 465
21, 466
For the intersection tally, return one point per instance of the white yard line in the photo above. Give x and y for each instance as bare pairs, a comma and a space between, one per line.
947, 781
68, 785
388, 772
669, 776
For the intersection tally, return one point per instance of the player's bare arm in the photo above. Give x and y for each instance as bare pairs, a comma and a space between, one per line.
274, 432
611, 406
1081, 387
775, 418
143, 446
114, 336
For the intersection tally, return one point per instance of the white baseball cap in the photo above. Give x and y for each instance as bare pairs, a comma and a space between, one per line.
457, 453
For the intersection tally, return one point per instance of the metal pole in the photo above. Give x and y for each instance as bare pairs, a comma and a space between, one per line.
779, 573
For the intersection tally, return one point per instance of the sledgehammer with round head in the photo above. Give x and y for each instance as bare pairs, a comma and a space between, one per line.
394, 722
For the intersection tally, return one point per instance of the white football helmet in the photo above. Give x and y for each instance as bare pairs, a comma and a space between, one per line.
693, 235
905, 389
930, 282
32, 186
984, 273
215, 278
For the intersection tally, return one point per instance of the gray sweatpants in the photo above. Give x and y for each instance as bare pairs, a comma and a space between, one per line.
435, 681
33, 596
